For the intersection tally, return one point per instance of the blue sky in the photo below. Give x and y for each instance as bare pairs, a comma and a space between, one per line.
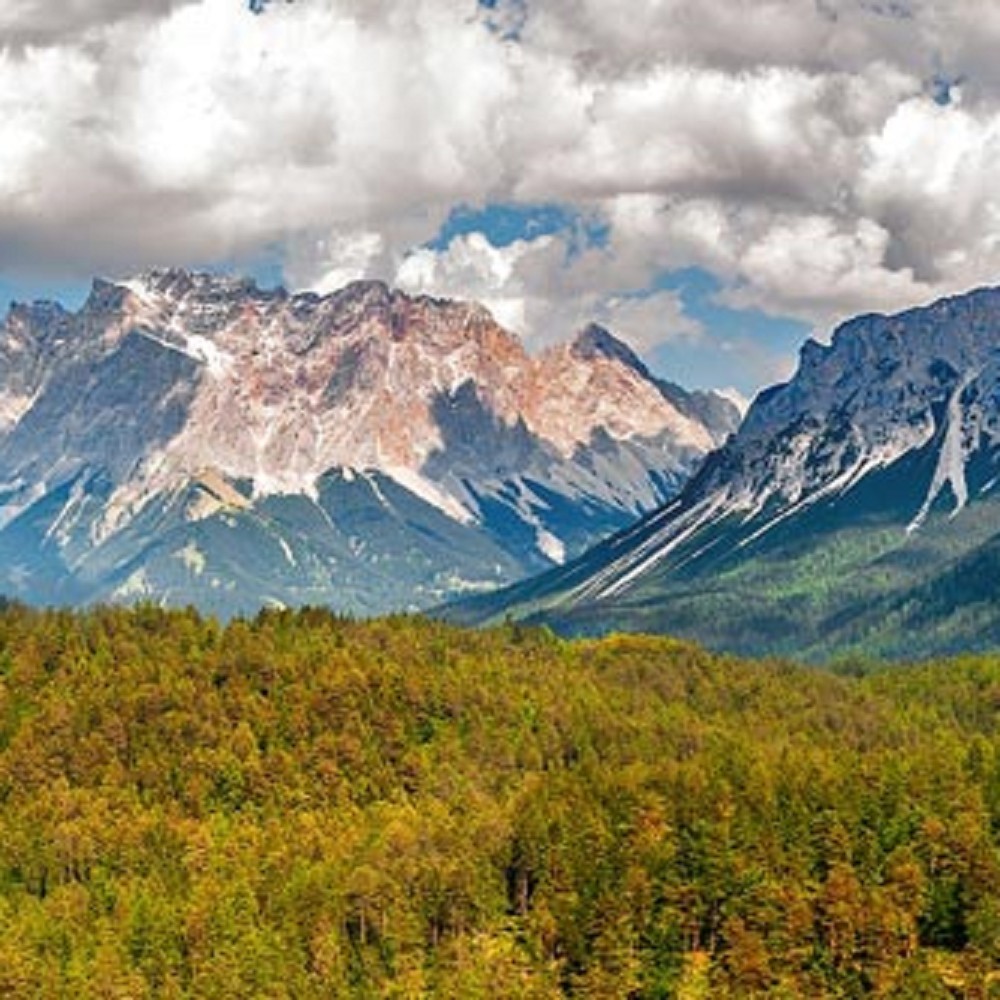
749, 347
14, 289
503, 224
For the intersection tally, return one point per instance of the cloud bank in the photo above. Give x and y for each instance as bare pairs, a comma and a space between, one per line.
818, 157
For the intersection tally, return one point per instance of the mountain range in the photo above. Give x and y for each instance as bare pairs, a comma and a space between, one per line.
190, 438
857, 509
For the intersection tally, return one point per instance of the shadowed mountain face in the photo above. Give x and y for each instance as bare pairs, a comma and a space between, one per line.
195, 439
856, 508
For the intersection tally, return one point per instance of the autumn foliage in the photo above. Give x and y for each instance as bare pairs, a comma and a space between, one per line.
303, 806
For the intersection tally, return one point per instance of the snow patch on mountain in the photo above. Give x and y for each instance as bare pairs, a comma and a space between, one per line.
618, 575
950, 470
429, 492
13, 406
192, 558
551, 546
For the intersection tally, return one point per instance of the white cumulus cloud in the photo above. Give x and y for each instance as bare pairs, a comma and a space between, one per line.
819, 157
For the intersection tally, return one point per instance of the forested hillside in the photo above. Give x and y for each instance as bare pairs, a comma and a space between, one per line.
302, 806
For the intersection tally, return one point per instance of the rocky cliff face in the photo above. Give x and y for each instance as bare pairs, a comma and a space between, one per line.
846, 497
885, 387
175, 405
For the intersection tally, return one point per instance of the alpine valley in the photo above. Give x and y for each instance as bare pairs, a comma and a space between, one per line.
188, 438
856, 510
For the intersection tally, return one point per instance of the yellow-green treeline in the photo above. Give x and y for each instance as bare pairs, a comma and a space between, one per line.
301, 806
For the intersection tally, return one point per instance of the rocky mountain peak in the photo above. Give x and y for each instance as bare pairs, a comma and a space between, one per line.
105, 297
879, 371
856, 508
41, 310
595, 341
372, 289
178, 283
173, 376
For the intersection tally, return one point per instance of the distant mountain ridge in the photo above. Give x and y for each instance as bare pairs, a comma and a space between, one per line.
855, 509
194, 438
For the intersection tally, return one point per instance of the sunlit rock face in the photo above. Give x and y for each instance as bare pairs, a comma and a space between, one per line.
189, 437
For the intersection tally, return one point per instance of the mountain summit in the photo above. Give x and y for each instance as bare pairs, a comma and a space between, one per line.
194, 438
856, 507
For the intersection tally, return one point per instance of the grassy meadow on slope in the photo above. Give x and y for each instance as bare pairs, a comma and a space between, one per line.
301, 806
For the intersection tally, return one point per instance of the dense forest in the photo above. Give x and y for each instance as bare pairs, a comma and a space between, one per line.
302, 806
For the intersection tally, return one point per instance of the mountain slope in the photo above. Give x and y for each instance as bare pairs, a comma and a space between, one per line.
855, 509
196, 439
